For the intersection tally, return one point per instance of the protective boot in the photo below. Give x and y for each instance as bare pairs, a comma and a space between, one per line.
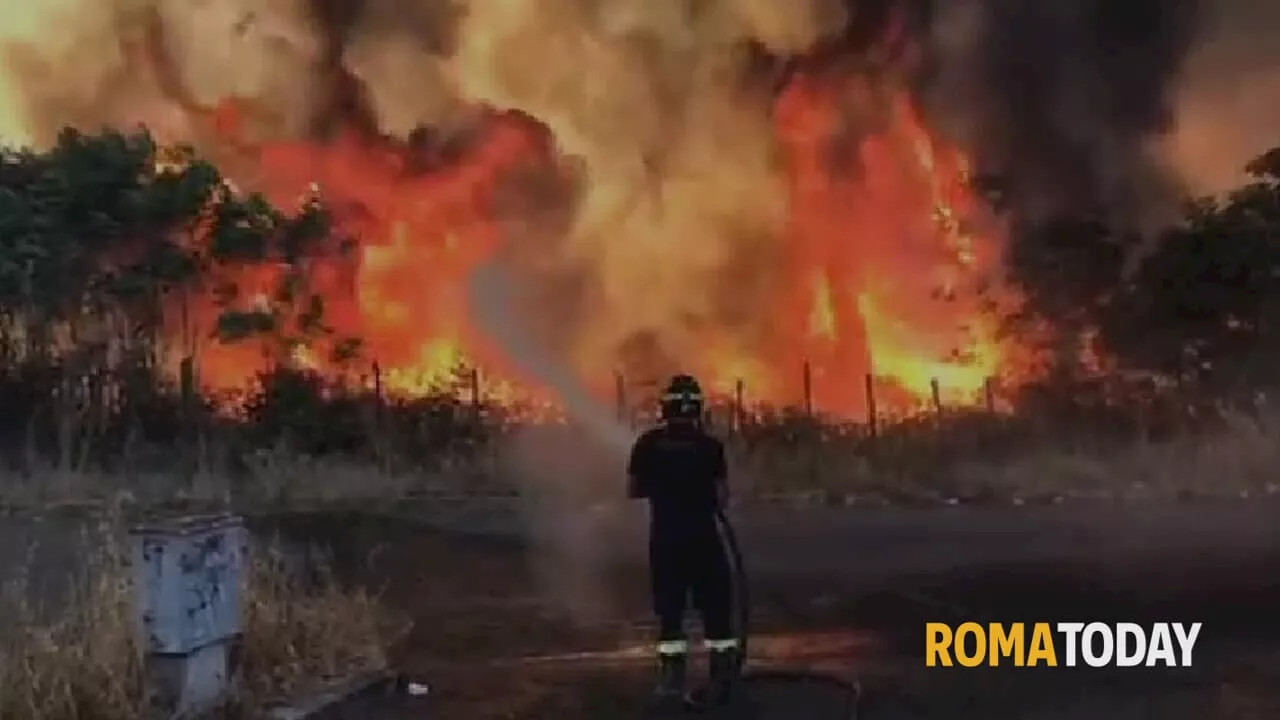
672, 670
724, 666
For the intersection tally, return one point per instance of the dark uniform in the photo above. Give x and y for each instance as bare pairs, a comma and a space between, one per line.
681, 471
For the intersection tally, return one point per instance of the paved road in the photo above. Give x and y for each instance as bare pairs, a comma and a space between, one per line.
869, 542
854, 544
884, 572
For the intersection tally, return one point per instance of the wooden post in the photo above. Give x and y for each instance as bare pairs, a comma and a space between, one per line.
937, 396
620, 395
187, 373
739, 412
989, 395
808, 389
873, 420
190, 433
473, 386
377, 396
187, 575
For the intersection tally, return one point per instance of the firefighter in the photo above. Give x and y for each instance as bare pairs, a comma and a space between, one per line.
680, 470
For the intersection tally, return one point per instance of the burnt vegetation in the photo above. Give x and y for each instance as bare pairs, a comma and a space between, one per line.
105, 263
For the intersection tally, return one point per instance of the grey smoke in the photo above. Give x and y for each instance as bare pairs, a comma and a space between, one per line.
1063, 100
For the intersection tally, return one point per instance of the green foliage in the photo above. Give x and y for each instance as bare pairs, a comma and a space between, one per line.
92, 226
105, 241
1198, 305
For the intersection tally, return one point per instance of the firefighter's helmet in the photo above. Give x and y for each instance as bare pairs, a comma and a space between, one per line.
682, 399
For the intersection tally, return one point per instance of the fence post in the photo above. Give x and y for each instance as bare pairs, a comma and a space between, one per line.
873, 419
190, 433
473, 383
620, 395
187, 575
936, 392
739, 412
808, 389
372, 415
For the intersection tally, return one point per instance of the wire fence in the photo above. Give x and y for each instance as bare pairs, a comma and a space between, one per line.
1095, 406
635, 399
123, 418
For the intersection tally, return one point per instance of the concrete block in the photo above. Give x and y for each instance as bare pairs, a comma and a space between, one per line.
188, 686
188, 574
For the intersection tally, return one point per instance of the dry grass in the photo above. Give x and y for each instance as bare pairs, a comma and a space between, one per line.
83, 661
972, 457
951, 463
80, 662
1239, 461
299, 631
281, 482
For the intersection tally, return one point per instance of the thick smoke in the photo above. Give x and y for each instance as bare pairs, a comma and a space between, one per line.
1064, 100
1069, 99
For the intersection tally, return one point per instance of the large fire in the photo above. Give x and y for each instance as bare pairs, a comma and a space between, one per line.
882, 261
878, 253
875, 260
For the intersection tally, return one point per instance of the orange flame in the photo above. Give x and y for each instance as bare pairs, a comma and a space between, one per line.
879, 255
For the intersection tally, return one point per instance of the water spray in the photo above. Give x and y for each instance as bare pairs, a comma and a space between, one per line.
492, 289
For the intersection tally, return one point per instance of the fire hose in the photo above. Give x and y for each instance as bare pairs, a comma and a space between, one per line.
849, 689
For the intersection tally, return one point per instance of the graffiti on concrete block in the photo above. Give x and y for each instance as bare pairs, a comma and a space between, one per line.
208, 568
190, 586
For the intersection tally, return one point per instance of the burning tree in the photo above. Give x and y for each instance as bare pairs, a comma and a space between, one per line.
109, 251
1191, 309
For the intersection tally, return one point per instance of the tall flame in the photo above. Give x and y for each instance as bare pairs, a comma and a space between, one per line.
882, 255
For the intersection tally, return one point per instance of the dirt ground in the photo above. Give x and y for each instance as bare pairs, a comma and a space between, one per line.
495, 637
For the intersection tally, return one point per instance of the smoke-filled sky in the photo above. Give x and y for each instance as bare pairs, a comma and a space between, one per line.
1081, 60
669, 105
1229, 105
